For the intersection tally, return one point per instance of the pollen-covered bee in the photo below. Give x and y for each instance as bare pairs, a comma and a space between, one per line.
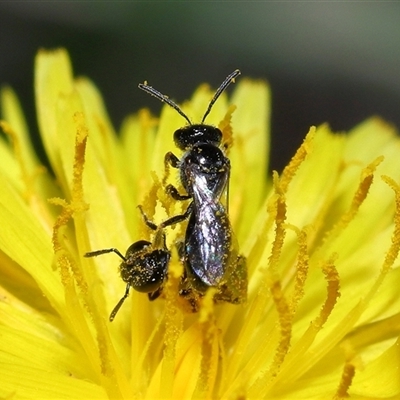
144, 267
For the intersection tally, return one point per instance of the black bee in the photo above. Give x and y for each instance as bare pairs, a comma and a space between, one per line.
209, 251
144, 267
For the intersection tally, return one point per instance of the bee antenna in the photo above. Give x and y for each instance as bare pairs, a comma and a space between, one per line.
165, 99
228, 80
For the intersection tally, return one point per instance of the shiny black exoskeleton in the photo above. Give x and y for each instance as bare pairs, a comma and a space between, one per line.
144, 267
209, 251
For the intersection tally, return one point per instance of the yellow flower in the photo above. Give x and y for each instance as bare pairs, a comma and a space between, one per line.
322, 318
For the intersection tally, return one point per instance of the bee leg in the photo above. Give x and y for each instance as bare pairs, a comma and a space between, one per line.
154, 295
170, 160
149, 223
173, 192
119, 304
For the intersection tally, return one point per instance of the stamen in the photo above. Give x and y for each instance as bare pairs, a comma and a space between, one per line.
280, 231
394, 249
360, 195
294, 164
301, 267
345, 381
333, 292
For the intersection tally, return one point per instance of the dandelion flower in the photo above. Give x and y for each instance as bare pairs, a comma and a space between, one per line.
321, 239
